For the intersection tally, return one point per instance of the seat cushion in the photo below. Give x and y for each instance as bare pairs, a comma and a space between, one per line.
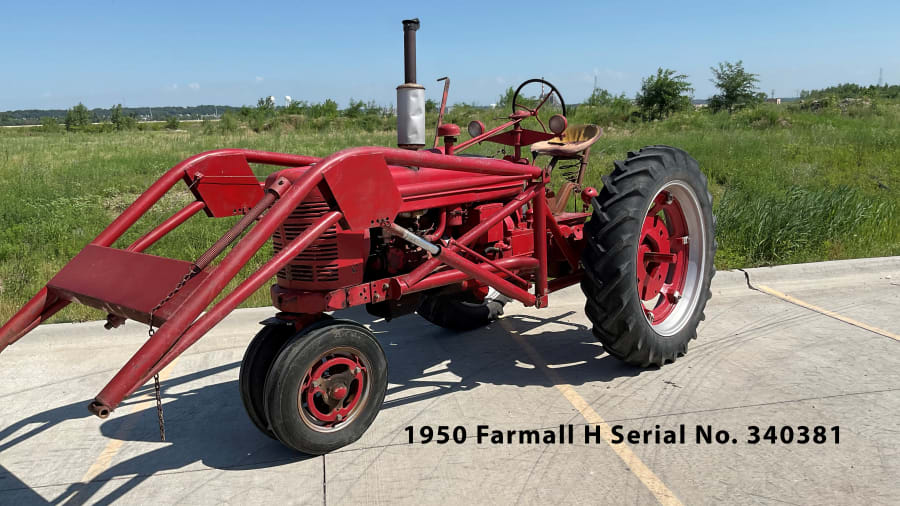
572, 142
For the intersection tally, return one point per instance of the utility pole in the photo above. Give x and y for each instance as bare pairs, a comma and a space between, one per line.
880, 77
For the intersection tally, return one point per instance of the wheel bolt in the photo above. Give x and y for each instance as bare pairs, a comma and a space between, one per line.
339, 417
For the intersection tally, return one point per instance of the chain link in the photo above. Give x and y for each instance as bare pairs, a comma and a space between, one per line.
159, 410
150, 332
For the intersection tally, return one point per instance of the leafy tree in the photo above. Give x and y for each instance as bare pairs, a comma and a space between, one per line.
119, 119
327, 109
172, 123
264, 104
430, 106
78, 117
115, 115
504, 101
663, 93
355, 109
602, 98
737, 87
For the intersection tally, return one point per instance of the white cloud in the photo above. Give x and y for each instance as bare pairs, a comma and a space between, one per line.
172, 87
259, 79
194, 86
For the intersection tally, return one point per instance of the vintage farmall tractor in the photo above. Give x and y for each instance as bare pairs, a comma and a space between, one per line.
448, 235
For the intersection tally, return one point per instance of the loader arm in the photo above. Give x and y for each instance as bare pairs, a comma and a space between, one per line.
224, 185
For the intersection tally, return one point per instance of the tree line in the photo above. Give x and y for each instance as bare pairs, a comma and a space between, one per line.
661, 94
99, 115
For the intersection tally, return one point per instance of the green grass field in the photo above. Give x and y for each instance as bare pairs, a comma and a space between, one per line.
789, 185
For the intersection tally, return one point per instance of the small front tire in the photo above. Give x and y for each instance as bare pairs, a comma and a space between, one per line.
258, 358
326, 387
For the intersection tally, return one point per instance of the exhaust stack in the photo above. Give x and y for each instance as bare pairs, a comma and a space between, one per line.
410, 95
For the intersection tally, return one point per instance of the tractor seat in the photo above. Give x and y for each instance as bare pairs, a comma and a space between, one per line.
570, 144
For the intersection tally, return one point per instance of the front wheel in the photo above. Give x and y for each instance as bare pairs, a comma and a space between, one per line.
649, 256
326, 387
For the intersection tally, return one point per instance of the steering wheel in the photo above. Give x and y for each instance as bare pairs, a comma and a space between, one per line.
543, 99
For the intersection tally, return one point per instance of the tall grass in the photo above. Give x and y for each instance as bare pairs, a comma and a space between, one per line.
789, 185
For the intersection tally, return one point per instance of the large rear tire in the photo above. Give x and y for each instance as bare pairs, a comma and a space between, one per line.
649, 256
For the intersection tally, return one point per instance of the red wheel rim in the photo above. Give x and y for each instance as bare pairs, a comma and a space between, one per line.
333, 389
663, 257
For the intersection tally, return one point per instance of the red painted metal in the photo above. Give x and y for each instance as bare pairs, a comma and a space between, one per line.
560, 239
439, 231
448, 129
226, 184
486, 261
130, 284
363, 189
430, 265
167, 226
487, 277
327, 384
244, 290
662, 258
540, 241
442, 110
520, 138
319, 213
450, 276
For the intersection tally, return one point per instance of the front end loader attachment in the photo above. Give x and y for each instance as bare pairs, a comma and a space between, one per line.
173, 294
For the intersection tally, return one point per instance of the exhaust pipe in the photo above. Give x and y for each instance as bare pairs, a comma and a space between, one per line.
410, 95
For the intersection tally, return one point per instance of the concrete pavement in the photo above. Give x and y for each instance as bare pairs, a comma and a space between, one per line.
760, 359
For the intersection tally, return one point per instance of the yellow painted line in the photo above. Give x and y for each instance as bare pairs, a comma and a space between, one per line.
836, 316
634, 463
145, 401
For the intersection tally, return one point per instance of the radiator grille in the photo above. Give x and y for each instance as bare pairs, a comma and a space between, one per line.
307, 265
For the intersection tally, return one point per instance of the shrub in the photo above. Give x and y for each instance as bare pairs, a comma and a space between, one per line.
78, 117
663, 93
172, 123
737, 87
228, 122
49, 124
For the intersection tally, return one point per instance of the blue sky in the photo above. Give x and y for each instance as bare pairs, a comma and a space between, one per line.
55, 54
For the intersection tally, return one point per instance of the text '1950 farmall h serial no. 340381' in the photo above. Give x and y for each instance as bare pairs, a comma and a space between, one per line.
448, 235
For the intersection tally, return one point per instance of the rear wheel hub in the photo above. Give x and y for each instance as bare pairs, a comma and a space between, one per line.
665, 256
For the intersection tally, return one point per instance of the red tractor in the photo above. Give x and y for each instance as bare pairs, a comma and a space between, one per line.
436, 231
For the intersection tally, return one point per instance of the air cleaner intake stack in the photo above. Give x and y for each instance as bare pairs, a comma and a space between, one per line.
410, 95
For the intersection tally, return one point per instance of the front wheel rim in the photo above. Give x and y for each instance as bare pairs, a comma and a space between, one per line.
671, 258
334, 389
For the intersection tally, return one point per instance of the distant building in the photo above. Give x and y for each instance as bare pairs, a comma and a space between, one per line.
773, 101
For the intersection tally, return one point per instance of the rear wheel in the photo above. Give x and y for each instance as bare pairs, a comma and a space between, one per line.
462, 311
649, 256
326, 387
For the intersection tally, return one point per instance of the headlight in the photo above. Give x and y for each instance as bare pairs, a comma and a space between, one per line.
558, 124
475, 128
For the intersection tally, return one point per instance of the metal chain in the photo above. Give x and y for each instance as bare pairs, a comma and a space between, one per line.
159, 411
150, 332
